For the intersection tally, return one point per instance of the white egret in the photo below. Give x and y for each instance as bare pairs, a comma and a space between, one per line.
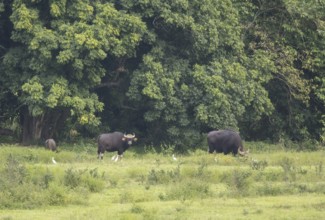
53, 161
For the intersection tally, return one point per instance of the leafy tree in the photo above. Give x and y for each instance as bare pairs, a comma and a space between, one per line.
196, 76
287, 31
168, 70
310, 18
59, 55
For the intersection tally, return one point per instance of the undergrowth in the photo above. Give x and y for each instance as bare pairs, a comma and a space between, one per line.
29, 187
29, 180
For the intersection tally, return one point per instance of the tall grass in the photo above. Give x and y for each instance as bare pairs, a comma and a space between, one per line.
152, 184
28, 180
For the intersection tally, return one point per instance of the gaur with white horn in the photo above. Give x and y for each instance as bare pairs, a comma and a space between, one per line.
225, 141
116, 141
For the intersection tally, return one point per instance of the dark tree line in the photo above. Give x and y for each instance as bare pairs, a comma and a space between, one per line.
167, 70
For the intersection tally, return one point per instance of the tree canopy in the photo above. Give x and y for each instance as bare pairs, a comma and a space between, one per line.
168, 70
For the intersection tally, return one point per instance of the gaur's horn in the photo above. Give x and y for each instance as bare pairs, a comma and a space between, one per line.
129, 135
243, 153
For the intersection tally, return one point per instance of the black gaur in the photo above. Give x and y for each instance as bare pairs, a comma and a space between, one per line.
225, 141
116, 141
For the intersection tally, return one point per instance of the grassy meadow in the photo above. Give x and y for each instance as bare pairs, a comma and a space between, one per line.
271, 183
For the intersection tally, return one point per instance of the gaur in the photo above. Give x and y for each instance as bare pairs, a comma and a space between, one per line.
50, 144
116, 141
225, 141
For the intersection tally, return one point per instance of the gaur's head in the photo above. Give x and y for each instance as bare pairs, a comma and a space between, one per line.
243, 152
129, 138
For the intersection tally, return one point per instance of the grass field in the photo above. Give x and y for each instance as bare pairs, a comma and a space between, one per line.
268, 184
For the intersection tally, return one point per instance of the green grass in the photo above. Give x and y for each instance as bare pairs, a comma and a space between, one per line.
270, 184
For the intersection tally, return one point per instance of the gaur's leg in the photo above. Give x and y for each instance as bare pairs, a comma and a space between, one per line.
210, 150
100, 153
119, 155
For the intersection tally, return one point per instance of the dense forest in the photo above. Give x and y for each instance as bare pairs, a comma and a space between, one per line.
167, 70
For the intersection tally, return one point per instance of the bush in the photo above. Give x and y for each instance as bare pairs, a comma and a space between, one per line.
163, 177
136, 209
56, 195
91, 179
238, 180
93, 184
32, 187
72, 178
269, 189
17, 189
188, 189
289, 169
258, 165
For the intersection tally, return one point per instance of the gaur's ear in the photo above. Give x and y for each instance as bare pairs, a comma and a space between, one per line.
123, 139
135, 139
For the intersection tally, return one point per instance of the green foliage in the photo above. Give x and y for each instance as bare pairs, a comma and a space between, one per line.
239, 181
282, 28
289, 169
72, 178
258, 165
29, 187
79, 185
59, 58
209, 83
1, 6
75, 178
163, 177
168, 70
188, 190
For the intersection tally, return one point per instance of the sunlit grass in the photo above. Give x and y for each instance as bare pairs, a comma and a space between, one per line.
265, 185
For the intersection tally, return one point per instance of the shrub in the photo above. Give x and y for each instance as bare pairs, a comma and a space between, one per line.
14, 172
126, 197
238, 180
17, 189
91, 179
269, 189
136, 209
319, 169
188, 189
258, 165
272, 174
162, 176
289, 169
72, 178
202, 168
93, 184
56, 195
40, 176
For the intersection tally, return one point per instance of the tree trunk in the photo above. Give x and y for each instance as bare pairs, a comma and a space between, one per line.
36, 129
31, 127
54, 121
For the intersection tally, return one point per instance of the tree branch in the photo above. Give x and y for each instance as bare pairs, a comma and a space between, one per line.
128, 107
109, 84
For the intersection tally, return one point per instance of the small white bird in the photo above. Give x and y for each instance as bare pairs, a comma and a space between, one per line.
117, 157
54, 162
174, 158
114, 157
